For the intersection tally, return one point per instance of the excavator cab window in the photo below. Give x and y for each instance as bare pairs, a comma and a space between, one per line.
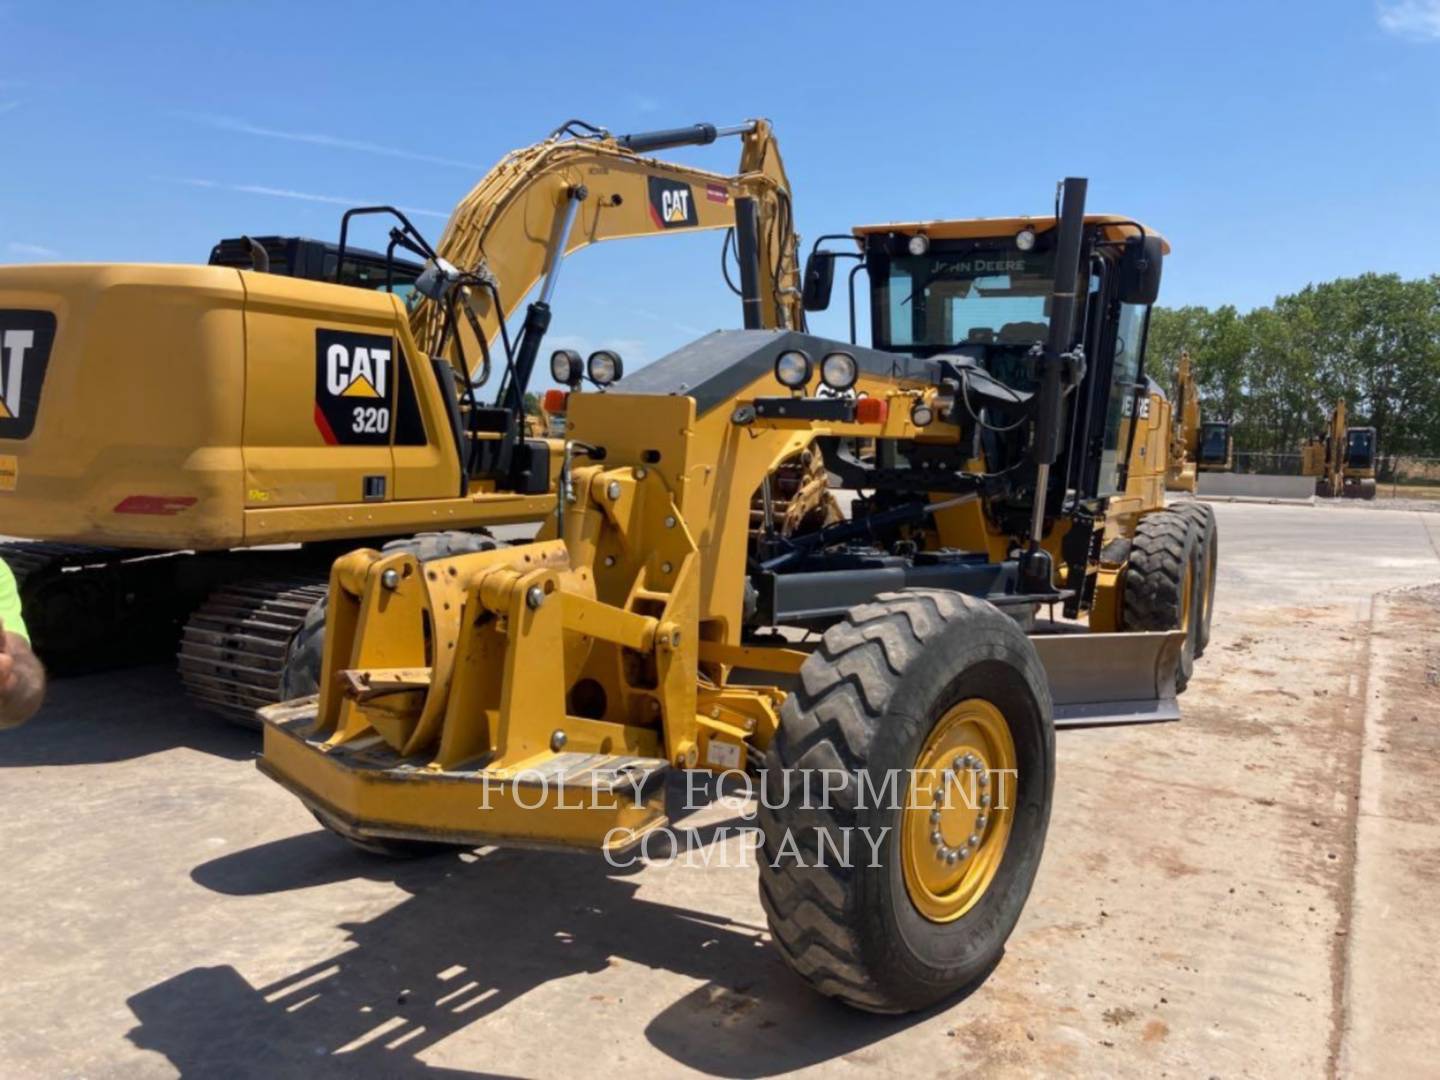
314, 260
1360, 448
1214, 443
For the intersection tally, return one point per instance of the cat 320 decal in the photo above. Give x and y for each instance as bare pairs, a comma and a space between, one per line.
353, 379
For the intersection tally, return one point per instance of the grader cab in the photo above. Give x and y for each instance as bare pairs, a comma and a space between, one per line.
542, 694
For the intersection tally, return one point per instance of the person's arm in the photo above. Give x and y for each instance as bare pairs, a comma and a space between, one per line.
22, 680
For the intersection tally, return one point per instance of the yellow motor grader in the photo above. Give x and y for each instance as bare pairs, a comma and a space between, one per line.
199, 443
890, 674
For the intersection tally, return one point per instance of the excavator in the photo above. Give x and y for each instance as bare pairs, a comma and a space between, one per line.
1195, 446
892, 679
1342, 459
197, 444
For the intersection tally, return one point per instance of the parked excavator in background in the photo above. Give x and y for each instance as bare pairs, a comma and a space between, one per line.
1342, 459
1195, 446
539, 694
197, 444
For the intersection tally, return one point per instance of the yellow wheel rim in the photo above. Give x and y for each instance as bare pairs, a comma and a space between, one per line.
961, 807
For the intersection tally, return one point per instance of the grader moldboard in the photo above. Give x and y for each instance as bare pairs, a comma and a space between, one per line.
540, 694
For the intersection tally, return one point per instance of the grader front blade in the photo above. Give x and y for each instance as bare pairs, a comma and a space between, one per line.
1105, 679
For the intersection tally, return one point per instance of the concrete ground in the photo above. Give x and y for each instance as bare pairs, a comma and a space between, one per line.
1247, 893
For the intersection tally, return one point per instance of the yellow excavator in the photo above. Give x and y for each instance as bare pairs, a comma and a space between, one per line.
198, 443
894, 678
1195, 446
1342, 460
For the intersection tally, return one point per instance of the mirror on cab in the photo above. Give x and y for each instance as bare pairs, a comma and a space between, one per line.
1139, 276
819, 280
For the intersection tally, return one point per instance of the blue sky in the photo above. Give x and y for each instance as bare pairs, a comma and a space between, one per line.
1274, 144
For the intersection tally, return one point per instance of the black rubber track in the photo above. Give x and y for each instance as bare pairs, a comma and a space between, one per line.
868, 698
1164, 551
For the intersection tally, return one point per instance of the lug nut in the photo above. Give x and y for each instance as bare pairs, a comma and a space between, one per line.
534, 597
557, 740
952, 857
981, 821
974, 841
390, 579
936, 838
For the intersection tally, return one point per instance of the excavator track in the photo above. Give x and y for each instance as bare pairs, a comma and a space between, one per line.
233, 648
88, 608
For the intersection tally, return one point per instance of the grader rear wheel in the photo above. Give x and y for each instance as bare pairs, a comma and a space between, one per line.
1163, 582
918, 693
1204, 518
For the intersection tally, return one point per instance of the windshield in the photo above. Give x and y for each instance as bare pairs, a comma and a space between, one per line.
937, 301
1359, 448
1213, 440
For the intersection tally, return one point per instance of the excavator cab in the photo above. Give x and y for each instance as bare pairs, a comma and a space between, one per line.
1360, 449
1214, 446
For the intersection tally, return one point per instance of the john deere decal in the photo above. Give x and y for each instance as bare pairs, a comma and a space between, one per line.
672, 203
25, 341
353, 375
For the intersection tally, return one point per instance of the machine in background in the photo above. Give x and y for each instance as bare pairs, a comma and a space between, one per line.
1342, 459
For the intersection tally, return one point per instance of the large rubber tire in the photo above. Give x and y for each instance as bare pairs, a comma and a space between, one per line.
868, 699
303, 659
1204, 517
1164, 564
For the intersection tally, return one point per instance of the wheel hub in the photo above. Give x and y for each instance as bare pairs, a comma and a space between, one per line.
958, 815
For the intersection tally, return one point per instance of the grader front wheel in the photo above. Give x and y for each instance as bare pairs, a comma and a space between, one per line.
935, 710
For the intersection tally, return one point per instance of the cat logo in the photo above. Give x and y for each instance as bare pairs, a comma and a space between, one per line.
353, 387
672, 203
361, 373
25, 340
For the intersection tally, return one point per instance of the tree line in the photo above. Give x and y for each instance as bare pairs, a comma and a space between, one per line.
1274, 373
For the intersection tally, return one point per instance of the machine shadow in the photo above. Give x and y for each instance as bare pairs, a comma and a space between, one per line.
120, 715
460, 949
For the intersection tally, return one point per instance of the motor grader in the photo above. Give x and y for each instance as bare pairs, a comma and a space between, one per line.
1342, 459
199, 443
1006, 566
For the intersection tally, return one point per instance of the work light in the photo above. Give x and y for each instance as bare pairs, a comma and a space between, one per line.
839, 371
566, 367
793, 368
605, 367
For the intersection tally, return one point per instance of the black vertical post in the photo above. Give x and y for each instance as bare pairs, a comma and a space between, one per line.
1049, 415
747, 249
